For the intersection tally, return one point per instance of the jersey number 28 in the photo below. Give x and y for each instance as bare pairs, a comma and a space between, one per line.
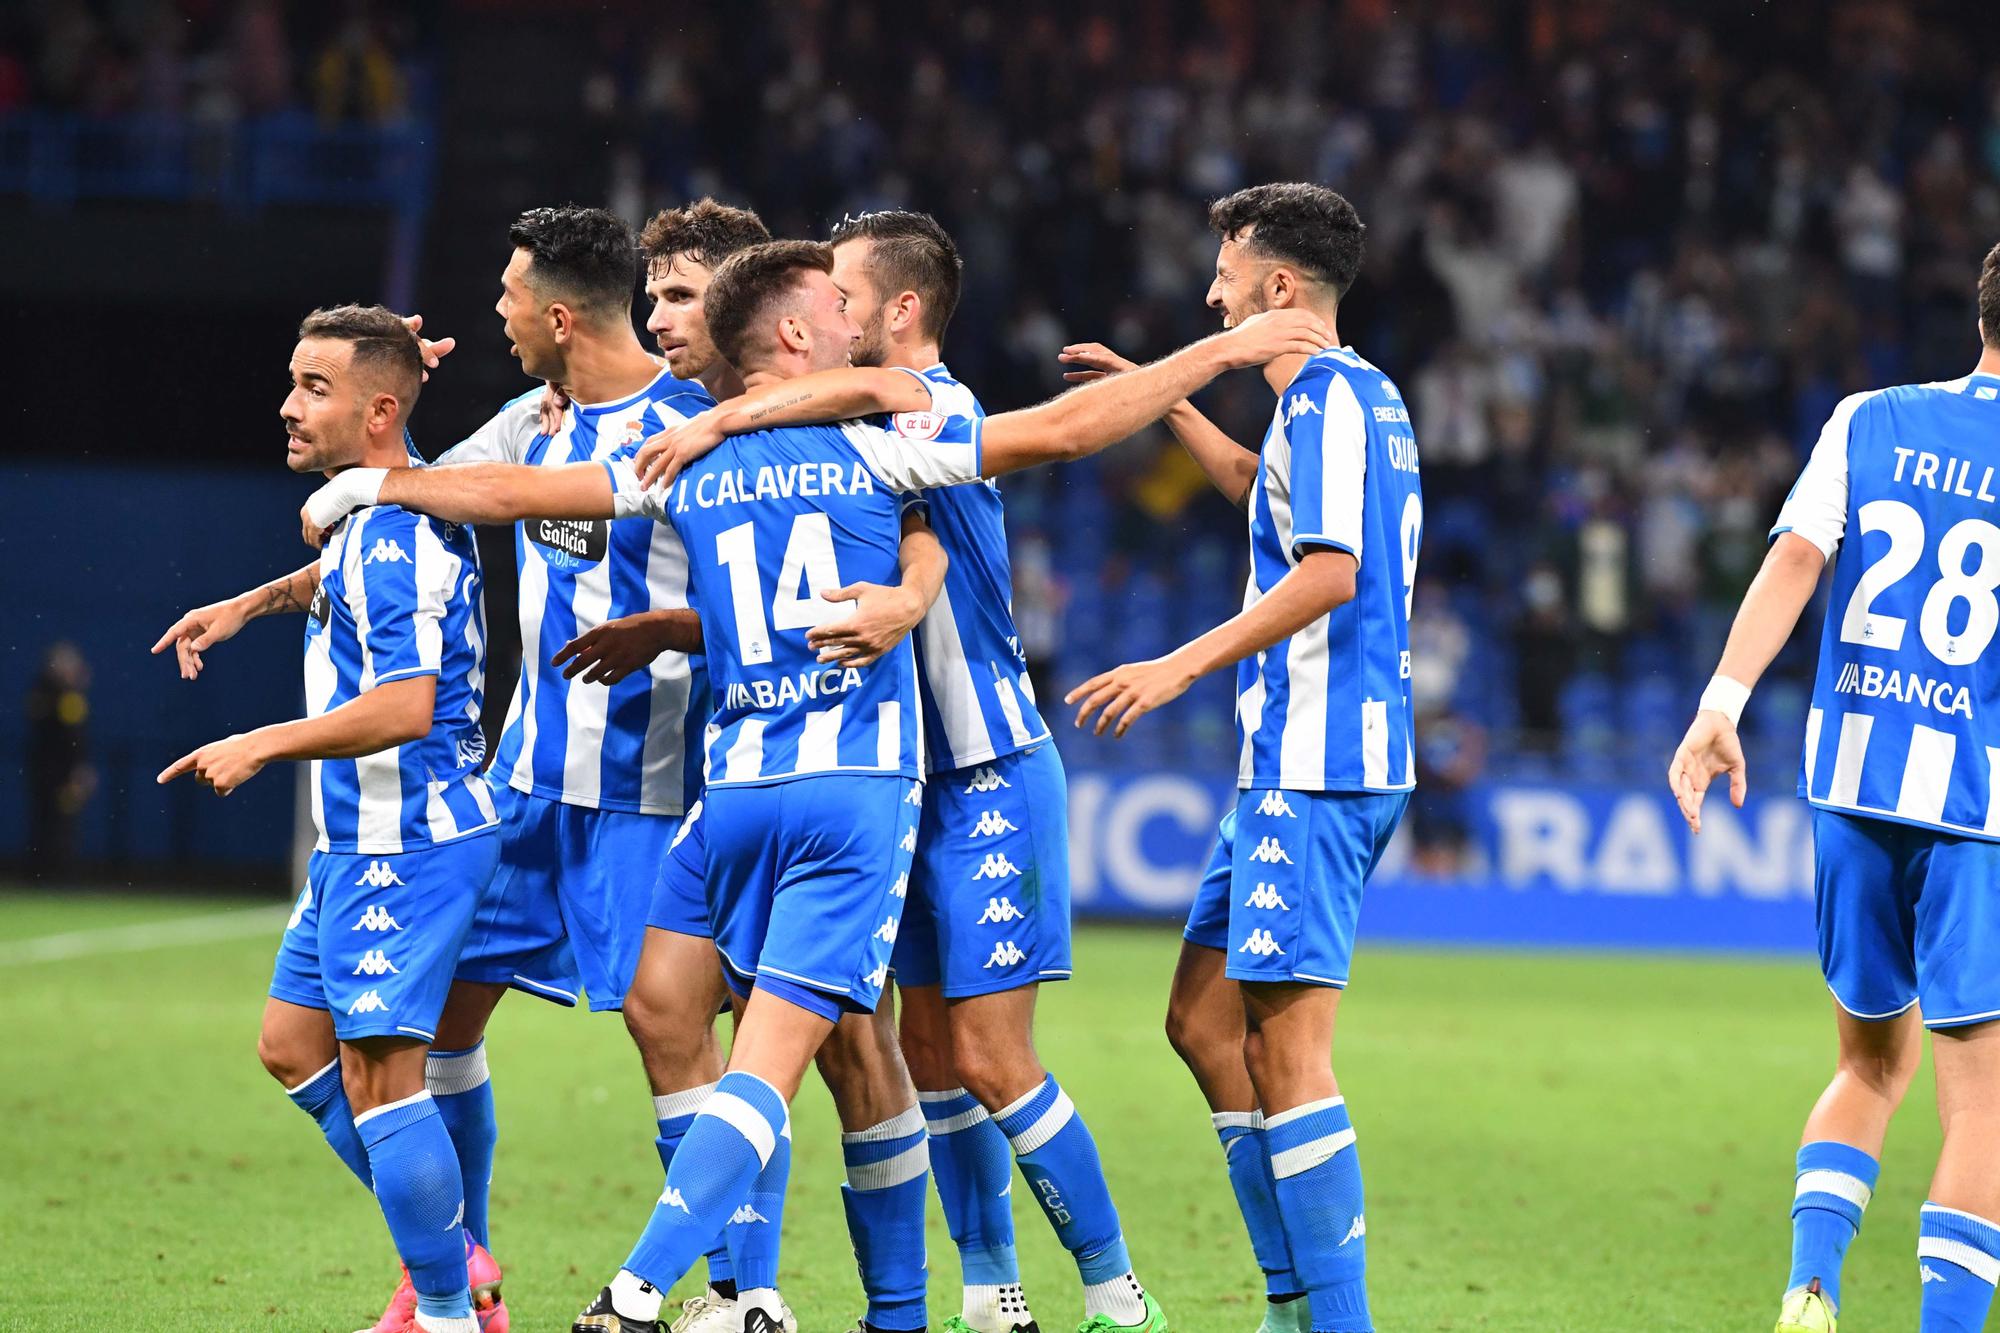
1955, 584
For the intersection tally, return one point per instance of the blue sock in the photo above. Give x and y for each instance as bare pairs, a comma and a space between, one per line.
888, 1180
973, 1166
459, 1084
1958, 1257
674, 1113
417, 1184
324, 1098
1058, 1158
1834, 1185
1318, 1180
751, 1238
1249, 1162
710, 1176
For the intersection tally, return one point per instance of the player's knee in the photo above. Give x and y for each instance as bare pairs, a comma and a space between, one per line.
998, 1075
1885, 1072
283, 1060
1195, 1036
929, 1059
667, 1035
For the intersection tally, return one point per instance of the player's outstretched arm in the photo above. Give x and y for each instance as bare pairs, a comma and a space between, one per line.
218, 622
1229, 467
828, 395
883, 616
1085, 420
1770, 611
388, 715
1321, 581
463, 493
607, 653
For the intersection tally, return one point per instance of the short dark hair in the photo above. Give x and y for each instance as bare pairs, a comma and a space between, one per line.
582, 257
1989, 299
749, 281
1310, 227
909, 252
385, 350
708, 230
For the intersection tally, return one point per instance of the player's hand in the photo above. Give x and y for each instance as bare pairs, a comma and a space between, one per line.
662, 457
1710, 749
549, 412
1126, 694
607, 653
1096, 359
223, 765
1270, 334
432, 351
880, 618
201, 629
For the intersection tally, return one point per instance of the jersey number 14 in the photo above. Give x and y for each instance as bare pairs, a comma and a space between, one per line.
808, 559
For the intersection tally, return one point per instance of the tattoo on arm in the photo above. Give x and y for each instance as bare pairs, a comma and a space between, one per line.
278, 598
778, 406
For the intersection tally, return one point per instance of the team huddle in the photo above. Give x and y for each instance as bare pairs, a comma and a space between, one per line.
774, 749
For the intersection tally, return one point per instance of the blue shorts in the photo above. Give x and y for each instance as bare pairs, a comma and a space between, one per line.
567, 910
989, 892
806, 885
680, 891
1907, 915
374, 939
1282, 892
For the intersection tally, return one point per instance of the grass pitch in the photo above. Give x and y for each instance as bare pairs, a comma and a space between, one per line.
1549, 1142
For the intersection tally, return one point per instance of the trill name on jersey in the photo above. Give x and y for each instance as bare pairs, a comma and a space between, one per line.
1923, 466
1906, 687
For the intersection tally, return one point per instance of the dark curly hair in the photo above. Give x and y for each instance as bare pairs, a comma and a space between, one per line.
1989, 299
707, 230
1307, 226
583, 257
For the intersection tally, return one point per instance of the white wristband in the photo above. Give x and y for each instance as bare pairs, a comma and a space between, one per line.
1727, 697
353, 489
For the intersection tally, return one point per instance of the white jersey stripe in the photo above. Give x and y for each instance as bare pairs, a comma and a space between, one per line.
1850, 752
744, 761
1375, 742
583, 705
1017, 727
1814, 718
819, 741
1302, 747
534, 596
889, 734
1926, 774
948, 675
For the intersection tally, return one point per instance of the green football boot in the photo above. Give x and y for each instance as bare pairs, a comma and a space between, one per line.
1154, 1322
1293, 1316
1806, 1310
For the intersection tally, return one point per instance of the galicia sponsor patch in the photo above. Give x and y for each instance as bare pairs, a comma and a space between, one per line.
571, 541
320, 605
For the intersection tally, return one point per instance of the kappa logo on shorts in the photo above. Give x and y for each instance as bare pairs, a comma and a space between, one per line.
879, 977
377, 919
299, 908
1357, 1231
379, 875
1261, 944
999, 911
672, 1199
909, 842
374, 963
996, 866
986, 780
746, 1216
1006, 954
1269, 852
886, 932
901, 888
1274, 804
388, 551
991, 825
1266, 897
687, 826
369, 1003
916, 796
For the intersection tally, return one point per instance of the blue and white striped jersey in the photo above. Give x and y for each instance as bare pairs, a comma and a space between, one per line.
618, 747
772, 519
399, 597
978, 704
1905, 720
1329, 708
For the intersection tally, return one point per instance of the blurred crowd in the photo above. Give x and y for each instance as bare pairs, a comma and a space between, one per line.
208, 61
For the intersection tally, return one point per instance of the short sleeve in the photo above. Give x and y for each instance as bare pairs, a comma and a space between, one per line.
628, 497
919, 449
505, 437
1817, 507
397, 590
1326, 426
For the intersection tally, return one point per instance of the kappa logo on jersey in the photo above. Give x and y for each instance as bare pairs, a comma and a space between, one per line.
909, 842
387, 550
996, 866
1261, 944
299, 908
369, 1003
377, 919
919, 425
1266, 897
746, 1216
1269, 852
374, 963
379, 875
991, 825
672, 1199
1357, 1231
901, 888
998, 911
1006, 954
1301, 405
985, 780
886, 932
1274, 804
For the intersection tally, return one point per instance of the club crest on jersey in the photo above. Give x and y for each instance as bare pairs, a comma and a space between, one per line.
1270, 853
379, 875
1274, 804
999, 911
1266, 897
369, 1003
386, 550
920, 425
1904, 687
986, 780
570, 543
374, 963
991, 825
1006, 954
996, 866
1261, 944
